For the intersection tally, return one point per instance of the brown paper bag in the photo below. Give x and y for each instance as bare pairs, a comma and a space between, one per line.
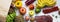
4, 7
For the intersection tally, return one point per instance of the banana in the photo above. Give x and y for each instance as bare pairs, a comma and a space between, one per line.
42, 3
51, 3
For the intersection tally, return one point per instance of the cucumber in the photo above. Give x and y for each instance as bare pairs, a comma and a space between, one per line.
10, 17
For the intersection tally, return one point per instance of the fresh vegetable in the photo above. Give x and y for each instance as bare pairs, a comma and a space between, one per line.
28, 2
11, 15
19, 18
49, 10
43, 18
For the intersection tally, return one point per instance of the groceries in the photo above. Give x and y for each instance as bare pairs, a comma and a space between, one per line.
11, 15
51, 2
37, 10
42, 3
19, 18
31, 6
11, 10
49, 10
44, 18
32, 19
27, 18
18, 4
28, 2
31, 13
22, 10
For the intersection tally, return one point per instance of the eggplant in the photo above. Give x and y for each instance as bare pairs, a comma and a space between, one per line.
28, 2
44, 18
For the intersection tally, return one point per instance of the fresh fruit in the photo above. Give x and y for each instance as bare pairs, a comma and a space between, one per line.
37, 6
22, 10
31, 6
51, 2
18, 4
37, 10
42, 3
28, 2
31, 12
27, 18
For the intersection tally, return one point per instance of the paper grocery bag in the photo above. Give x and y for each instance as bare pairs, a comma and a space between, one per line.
4, 8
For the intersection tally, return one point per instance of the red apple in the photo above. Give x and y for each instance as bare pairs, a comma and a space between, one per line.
22, 10
31, 6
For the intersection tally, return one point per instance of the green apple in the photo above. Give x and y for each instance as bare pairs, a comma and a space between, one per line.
37, 10
31, 12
